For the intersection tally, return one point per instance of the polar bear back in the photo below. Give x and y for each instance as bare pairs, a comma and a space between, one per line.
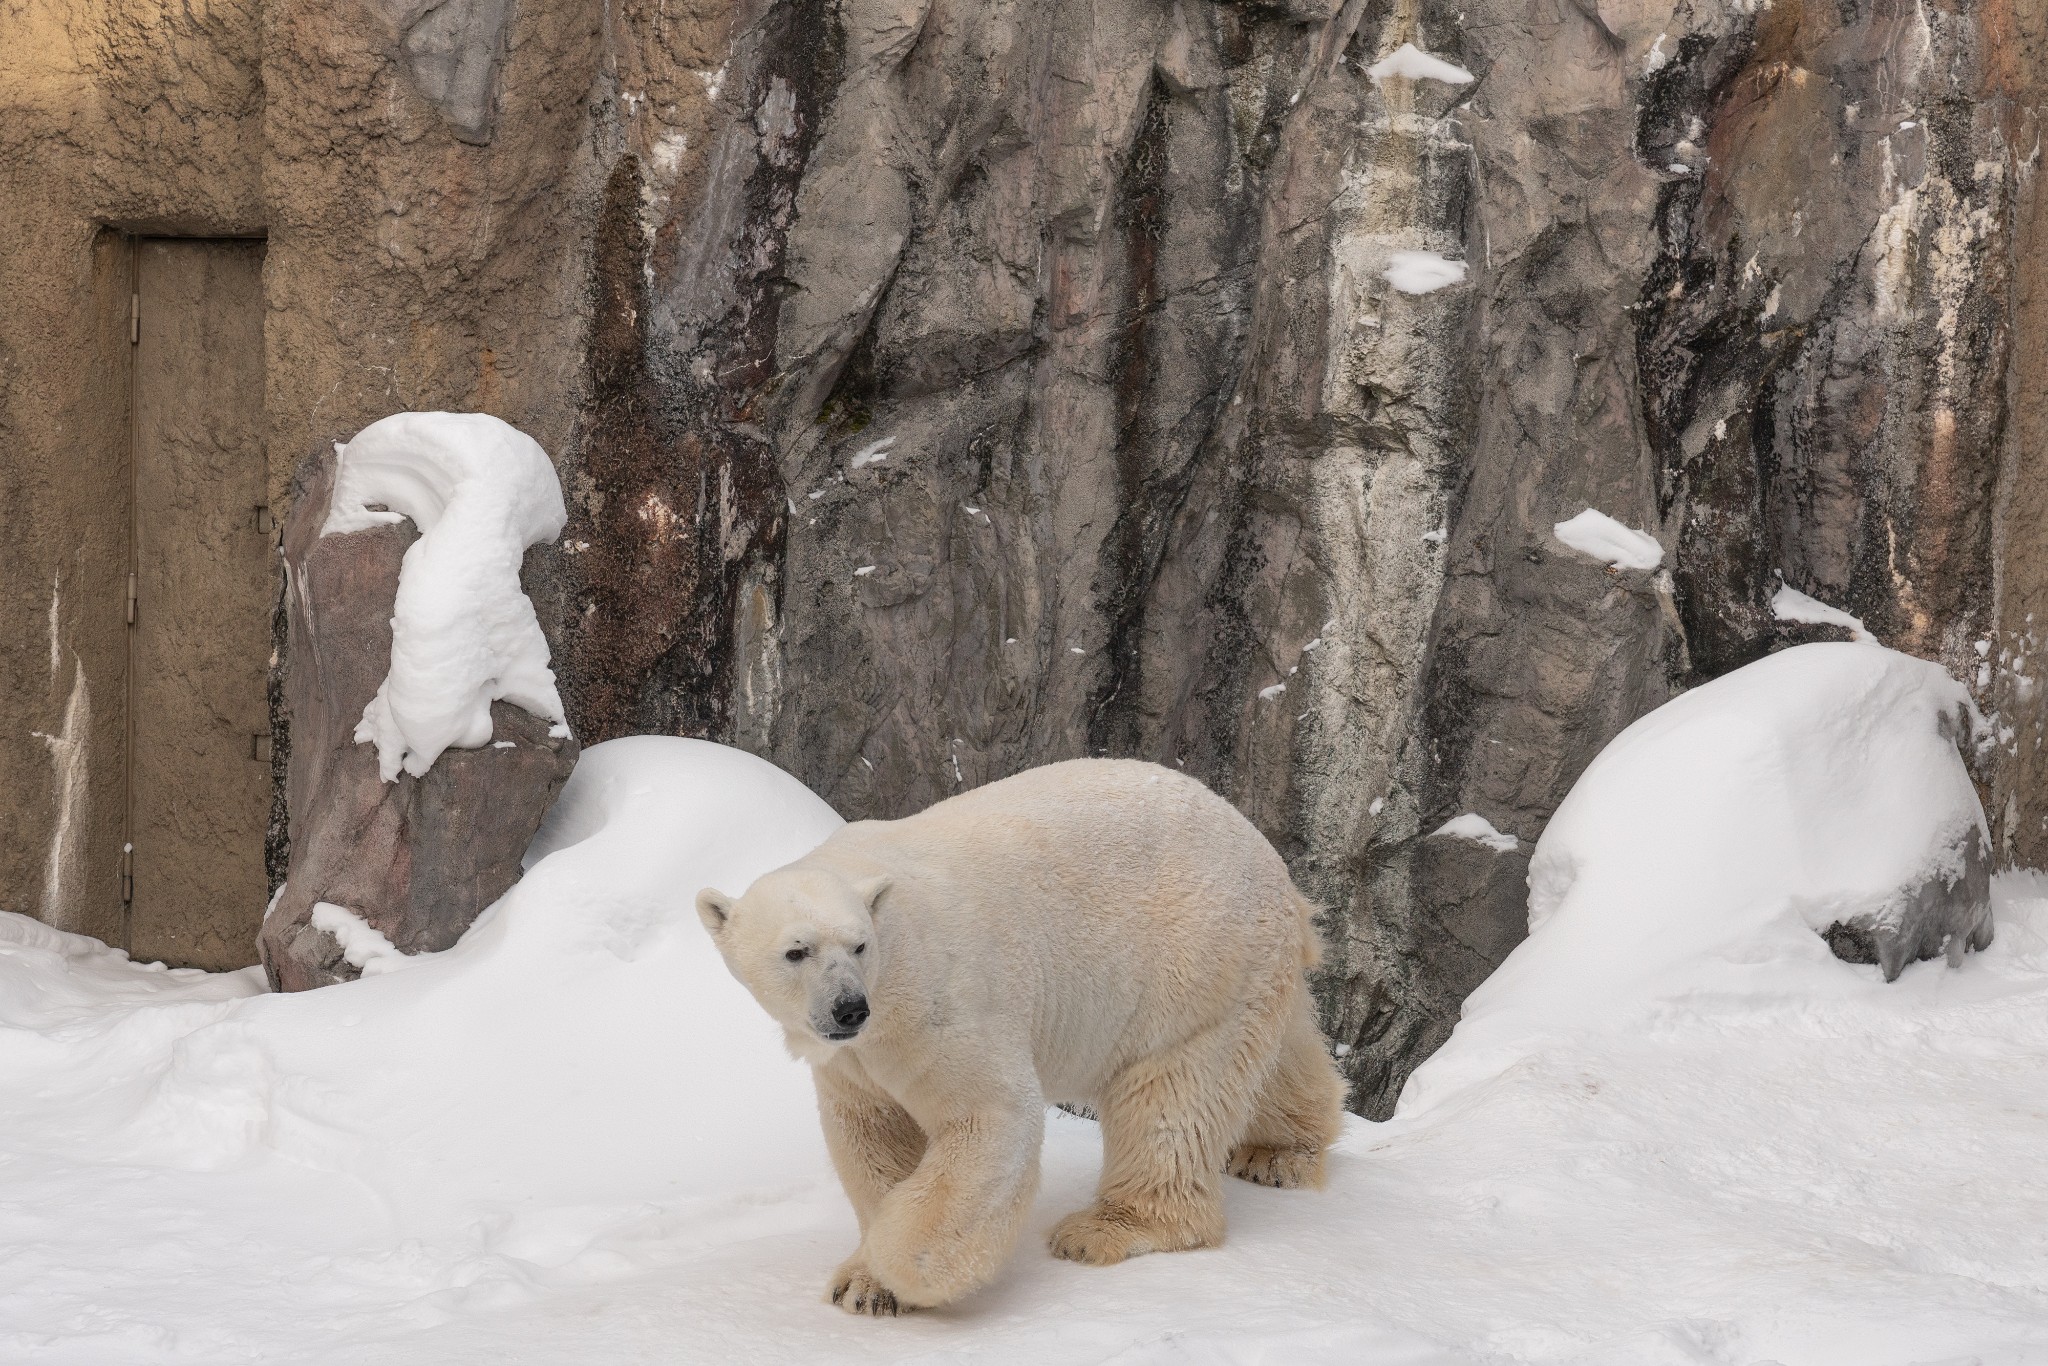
1107, 908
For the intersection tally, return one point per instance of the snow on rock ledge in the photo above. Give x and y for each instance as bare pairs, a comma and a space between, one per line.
1414, 64
1600, 537
463, 634
1478, 830
1815, 799
1789, 604
1422, 272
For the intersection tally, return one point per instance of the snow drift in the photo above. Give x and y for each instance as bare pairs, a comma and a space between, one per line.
463, 634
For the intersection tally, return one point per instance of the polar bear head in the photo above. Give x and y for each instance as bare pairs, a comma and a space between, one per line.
802, 940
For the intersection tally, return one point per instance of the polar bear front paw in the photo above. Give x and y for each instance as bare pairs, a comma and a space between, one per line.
1286, 1168
855, 1289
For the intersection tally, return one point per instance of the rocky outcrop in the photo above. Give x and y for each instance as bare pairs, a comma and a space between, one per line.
419, 857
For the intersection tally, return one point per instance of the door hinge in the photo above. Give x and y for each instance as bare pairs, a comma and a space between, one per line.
127, 875
131, 597
134, 319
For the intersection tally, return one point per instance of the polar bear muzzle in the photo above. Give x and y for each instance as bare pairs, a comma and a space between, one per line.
849, 1013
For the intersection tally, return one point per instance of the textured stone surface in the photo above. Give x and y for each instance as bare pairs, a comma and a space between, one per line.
1947, 914
1101, 285
417, 858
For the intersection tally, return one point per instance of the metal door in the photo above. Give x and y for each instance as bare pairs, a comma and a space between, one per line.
201, 598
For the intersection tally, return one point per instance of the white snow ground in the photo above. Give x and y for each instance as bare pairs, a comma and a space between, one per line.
573, 1139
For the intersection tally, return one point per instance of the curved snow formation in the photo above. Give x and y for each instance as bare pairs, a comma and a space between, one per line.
1707, 845
463, 633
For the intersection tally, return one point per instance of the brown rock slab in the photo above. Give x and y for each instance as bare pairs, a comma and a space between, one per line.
418, 858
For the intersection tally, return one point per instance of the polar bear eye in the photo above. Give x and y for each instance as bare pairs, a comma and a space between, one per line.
797, 955
860, 948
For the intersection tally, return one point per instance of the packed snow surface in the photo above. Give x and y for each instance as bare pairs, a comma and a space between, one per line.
463, 634
1411, 61
1600, 537
572, 1138
1479, 830
1422, 272
1789, 604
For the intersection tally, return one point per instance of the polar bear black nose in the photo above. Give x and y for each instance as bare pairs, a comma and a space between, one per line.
852, 1013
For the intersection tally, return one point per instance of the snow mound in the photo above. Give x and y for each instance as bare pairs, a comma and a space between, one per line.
1789, 604
1413, 63
558, 1053
463, 634
1710, 842
1600, 537
1422, 272
1479, 830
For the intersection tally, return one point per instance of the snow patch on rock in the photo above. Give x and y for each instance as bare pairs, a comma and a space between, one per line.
463, 634
1478, 830
1789, 604
873, 454
1413, 63
1600, 537
1422, 272
364, 945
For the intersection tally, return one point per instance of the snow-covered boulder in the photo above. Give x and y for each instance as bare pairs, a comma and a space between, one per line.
1820, 787
1813, 800
427, 738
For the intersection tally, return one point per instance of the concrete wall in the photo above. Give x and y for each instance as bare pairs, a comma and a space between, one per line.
144, 117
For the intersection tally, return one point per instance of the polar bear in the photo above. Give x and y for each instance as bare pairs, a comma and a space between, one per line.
1103, 933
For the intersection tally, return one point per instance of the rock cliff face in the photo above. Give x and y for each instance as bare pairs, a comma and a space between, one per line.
1058, 402
950, 386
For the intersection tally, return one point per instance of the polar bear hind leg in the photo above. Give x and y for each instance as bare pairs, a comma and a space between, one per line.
1300, 1109
1168, 1121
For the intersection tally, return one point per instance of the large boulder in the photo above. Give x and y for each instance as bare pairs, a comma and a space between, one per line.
416, 858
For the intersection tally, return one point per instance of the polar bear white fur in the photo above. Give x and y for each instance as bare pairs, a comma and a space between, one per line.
1104, 933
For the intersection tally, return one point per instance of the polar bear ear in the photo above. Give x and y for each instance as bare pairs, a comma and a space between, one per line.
713, 908
871, 889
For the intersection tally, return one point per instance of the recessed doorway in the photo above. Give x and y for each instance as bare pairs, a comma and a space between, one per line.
202, 590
